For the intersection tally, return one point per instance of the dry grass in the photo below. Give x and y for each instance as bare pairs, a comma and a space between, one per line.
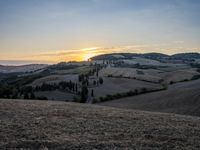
79, 70
178, 75
56, 95
60, 125
180, 98
51, 79
122, 85
130, 73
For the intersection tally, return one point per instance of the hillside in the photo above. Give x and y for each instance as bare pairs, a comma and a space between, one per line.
22, 68
180, 98
155, 56
60, 125
186, 56
112, 56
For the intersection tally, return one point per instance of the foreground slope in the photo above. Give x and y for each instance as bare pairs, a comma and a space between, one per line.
180, 98
60, 125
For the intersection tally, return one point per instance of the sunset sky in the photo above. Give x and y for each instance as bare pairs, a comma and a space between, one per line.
50, 31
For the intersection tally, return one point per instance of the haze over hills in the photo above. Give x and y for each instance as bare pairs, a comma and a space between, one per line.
135, 83
179, 56
110, 56
21, 68
100, 74
107, 77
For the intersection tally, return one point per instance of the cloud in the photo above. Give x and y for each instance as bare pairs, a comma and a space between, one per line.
178, 42
86, 53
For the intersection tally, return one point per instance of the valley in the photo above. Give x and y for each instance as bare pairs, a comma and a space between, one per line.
116, 102
103, 78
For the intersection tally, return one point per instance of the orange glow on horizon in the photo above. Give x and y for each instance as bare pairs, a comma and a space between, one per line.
84, 54
57, 56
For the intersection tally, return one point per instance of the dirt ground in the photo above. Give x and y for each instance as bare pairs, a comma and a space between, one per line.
61, 125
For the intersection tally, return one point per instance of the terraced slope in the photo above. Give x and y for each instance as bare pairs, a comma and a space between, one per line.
60, 125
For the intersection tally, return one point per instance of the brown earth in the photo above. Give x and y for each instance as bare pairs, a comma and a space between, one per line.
30, 124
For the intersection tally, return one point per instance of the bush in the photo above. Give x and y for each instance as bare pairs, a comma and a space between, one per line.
94, 100
84, 94
140, 72
195, 77
26, 96
42, 98
101, 80
143, 90
76, 99
32, 95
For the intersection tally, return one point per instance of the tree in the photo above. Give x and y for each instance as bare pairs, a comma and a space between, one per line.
84, 94
26, 96
80, 77
97, 73
76, 87
42, 98
87, 82
92, 93
32, 96
101, 80
144, 90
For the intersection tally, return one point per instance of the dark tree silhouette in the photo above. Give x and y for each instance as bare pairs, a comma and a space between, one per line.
26, 96
84, 94
92, 93
101, 80
32, 95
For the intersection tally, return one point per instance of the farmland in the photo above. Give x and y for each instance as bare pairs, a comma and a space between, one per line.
60, 125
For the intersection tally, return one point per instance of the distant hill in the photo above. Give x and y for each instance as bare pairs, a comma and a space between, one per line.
154, 56
22, 68
27, 124
186, 56
112, 56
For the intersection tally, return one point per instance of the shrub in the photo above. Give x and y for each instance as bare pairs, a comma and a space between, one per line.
195, 77
110, 75
143, 90
76, 99
42, 98
101, 80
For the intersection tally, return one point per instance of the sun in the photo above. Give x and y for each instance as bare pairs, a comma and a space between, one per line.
87, 56
87, 53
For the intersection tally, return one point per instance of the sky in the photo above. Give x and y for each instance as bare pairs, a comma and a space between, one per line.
51, 31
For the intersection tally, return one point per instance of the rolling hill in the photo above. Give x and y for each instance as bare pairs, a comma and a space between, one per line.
153, 56
30, 124
22, 68
112, 56
180, 98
